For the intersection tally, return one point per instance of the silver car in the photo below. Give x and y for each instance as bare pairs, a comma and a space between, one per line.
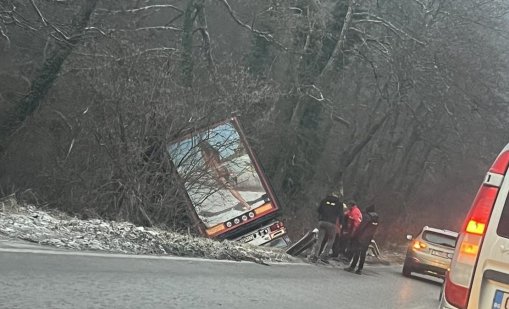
430, 252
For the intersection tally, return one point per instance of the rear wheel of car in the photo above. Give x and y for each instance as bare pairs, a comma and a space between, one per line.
407, 271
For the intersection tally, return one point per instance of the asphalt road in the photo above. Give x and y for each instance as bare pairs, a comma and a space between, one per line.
34, 278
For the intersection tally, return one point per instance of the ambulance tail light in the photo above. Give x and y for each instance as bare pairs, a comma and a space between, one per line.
458, 280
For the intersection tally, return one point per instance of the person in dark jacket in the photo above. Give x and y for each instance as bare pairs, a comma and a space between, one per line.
330, 214
362, 238
340, 243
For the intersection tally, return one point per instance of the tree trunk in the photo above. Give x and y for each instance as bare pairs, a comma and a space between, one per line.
341, 42
187, 44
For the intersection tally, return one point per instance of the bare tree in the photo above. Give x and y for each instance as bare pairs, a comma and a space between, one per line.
47, 74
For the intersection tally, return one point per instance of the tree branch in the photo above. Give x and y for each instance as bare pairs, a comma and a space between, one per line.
3, 32
141, 53
145, 8
46, 23
38, 12
202, 22
371, 18
266, 35
95, 29
341, 42
147, 29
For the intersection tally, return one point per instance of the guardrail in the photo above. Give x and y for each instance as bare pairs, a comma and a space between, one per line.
309, 239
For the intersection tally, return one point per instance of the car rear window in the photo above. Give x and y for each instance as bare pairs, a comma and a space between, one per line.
439, 239
503, 224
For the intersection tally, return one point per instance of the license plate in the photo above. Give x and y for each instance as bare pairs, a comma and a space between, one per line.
439, 253
248, 238
501, 300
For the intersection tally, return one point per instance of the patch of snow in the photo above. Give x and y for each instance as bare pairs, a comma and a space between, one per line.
59, 230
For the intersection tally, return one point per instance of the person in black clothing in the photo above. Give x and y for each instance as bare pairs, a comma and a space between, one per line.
341, 241
330, 215
362, 238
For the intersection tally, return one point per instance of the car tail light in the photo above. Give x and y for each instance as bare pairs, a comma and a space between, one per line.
500, 165
276, 226
419, 245
459, 279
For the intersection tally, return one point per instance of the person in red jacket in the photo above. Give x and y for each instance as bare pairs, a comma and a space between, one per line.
353, 219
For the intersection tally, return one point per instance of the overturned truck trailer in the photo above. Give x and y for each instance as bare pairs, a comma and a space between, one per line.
227, 192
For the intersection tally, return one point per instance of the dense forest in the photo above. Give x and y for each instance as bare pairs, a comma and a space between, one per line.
397, 103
